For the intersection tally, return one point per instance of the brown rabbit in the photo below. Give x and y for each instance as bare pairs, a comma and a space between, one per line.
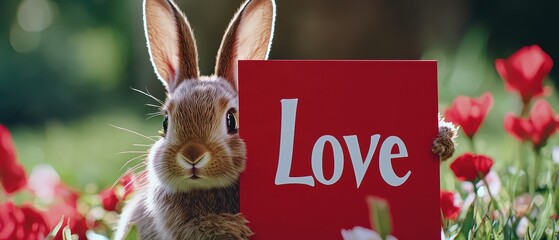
193, 170
192, 187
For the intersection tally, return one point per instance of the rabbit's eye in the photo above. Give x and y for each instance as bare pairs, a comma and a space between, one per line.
232, 123
165, 122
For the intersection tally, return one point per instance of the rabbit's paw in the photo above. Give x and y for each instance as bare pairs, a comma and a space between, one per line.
221, 227
444, 145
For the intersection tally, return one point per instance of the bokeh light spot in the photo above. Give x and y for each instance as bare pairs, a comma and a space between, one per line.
22, 41
34, 15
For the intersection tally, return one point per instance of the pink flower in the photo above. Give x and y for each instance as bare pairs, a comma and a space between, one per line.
470, 167
469, 112
524, 71
12, 173
45, 182
449, 206
540, 125
521, 204
522, 227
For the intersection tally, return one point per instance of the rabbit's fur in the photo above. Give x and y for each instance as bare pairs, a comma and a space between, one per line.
191, 190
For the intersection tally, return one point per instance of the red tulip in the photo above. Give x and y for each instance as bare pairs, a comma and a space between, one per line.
9, 217
12, 173
21, 223
448, 205
524, 71
7, 150
470, 167
109, 199
469, 112
13, 178
540, 125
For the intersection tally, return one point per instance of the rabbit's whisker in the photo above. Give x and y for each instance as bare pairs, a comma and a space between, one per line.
152, 115
141, 180
133, 159
131, 170
153, 105
149, 95
141, 145
137, 166
131, 131
120, 177
127, 152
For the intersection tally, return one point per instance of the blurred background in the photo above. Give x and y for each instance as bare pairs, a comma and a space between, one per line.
67, 67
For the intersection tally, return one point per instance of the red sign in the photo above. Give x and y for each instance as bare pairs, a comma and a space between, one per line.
322, 135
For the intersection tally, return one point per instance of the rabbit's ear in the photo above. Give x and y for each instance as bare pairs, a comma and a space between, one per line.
170, 42
248, 37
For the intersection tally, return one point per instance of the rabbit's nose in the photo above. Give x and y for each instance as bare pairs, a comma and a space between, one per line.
194, 152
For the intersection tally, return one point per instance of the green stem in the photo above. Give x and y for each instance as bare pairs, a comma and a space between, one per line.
472, 144
525, 108
523, 164
554, 177
479, 202
537, 167
496, 204
3, 197
461, 230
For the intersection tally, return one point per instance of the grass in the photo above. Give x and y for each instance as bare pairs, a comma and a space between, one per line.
86, 151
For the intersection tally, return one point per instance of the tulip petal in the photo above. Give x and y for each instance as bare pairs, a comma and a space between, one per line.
12, 174
449, 208
13, 178
517, 127
542, 118
109, 199
469, 167
524, 71
7, 149
469, 112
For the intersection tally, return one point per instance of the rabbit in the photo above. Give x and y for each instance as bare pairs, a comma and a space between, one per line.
191, 188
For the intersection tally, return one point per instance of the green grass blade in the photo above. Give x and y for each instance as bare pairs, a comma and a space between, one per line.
541, 224
468, 223
67, 233
55, 230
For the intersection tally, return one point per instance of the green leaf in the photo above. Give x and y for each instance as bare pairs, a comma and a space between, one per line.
380, 216
556, 200
55, 230
543, 219
67, 233
468, 223
528, 236
551, 235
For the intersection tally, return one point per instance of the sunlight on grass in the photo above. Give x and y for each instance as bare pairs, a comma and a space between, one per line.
86, 151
